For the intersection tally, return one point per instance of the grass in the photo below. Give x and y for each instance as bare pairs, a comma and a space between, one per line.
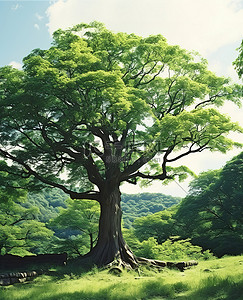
214, 279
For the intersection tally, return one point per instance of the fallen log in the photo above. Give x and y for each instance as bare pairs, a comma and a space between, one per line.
18, 277
9, 261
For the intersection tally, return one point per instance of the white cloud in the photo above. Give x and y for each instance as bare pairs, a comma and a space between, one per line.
37, 26
174, 188
202, 25
233, 74
15, 65
15, 6
39, 17
198, 163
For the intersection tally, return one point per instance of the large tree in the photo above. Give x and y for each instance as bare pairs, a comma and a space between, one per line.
100, 108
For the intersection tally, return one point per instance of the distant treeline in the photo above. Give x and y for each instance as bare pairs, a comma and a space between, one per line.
140, 205
134, 206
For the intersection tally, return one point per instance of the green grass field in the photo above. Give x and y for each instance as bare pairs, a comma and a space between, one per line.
214, 279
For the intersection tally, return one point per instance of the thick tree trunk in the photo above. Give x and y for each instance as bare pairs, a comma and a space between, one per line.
111, 246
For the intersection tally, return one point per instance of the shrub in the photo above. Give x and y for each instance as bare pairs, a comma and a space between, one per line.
148, 248
182, 249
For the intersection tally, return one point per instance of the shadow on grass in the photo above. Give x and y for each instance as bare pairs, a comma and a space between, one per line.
157, 288
65, 287
218, 288
142, 290
48, 293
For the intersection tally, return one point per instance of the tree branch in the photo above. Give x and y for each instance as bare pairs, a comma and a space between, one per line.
199, 149
135, 166
72, 194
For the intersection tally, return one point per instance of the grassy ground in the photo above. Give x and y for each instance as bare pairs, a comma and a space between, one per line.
215, 279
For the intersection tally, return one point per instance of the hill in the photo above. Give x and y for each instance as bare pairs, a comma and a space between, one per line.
48, 201
140, 205
133, 205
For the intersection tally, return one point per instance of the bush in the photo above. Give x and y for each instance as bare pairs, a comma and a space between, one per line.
148, 248
182, 249
171, 249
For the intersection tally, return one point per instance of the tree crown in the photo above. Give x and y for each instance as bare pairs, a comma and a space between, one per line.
101, 105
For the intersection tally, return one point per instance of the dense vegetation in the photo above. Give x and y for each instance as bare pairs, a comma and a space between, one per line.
20, 231
60, 224
76, 227
211, 215
140, 205
238, 63
49, 202
215, 209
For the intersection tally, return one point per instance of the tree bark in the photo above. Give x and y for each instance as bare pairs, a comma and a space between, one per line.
111, 246
91, 241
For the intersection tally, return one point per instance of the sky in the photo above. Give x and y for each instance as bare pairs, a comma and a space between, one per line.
214, 28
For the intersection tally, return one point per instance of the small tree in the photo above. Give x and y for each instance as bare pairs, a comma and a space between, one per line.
160, 225
20, 232
81, 216
100, 106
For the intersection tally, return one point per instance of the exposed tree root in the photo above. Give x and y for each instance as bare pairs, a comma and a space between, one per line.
129, 264
182, 265
118, 264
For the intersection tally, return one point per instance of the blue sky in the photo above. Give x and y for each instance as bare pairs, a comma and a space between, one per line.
207, 26
214, 28
18, 32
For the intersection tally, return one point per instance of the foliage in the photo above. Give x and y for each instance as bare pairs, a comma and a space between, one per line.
148, 248
82, 216
160, 225
174, 248
182, 249
75, 245
69, 217
12, 187
138, 205
20, 232
48, 201
212, 213
238, 63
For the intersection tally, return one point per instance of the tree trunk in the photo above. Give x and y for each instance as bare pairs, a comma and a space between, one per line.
111, 246
91, 241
